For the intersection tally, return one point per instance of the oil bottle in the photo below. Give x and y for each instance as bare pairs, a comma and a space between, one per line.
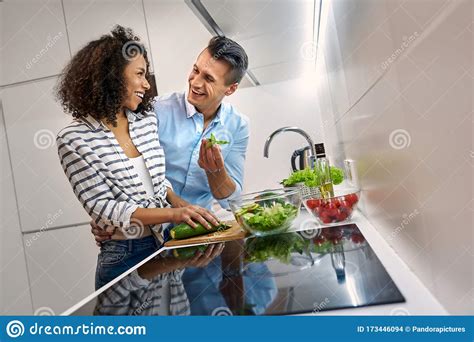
322, 168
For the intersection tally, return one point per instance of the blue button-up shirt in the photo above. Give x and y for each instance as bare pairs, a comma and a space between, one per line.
181, 129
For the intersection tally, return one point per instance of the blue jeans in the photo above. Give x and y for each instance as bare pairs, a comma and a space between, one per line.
117, 256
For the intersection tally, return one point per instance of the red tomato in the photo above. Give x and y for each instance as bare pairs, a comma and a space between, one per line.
313, 203
357, 238
341, 216
346, 208
319, 240
345, 204
332, 212
325, 217
351, 198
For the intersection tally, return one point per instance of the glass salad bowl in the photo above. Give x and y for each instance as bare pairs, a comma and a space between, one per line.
267, 212
336, 209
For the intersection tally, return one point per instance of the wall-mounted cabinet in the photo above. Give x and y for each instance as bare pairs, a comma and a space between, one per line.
88, 20
34, 40
33, 118
61, 266
15, 296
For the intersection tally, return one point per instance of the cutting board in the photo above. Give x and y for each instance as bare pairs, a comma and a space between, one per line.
233, 233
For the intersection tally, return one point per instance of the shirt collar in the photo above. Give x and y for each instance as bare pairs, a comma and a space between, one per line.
96, 124
191, 110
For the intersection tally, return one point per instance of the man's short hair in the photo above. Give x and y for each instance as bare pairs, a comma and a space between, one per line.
225, 49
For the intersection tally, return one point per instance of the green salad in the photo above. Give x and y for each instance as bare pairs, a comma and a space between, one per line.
270, 215
278, 246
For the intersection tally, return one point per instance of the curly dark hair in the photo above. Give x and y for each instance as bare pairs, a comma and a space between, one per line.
93, 81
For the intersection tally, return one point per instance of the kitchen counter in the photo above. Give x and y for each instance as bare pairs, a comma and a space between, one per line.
373, 284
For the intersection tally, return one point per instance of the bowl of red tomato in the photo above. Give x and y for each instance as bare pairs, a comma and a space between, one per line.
335, 209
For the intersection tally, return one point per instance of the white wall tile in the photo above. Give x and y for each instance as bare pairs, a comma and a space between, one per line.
15, 297
61, 266
45, 197
34, 40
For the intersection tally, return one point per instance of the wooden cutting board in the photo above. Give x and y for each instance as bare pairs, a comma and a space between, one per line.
233, 233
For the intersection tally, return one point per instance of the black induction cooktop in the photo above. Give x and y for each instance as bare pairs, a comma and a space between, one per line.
291, 273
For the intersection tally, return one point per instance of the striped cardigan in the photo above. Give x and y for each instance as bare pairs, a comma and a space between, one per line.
135, 296
103, 178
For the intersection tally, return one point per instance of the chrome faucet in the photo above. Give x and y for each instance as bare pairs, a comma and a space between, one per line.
312, 156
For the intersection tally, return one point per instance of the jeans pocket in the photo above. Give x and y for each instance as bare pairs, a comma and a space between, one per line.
112, 258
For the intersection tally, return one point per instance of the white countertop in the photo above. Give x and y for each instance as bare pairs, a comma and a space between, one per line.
419, 301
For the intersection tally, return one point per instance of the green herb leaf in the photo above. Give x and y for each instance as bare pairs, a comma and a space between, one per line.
214, 141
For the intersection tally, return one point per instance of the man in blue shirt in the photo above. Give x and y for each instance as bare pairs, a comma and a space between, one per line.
200, 173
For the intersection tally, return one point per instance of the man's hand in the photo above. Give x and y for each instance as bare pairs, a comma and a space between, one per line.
100, 235
210, 158
192, 214
202, 259
175, 200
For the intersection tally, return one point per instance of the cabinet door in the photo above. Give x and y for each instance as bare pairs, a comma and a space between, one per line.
61, 267
34, 40
88, 20
33, 118
15, 296
176, 37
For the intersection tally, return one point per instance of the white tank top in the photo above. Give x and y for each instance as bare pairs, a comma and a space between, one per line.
143, 174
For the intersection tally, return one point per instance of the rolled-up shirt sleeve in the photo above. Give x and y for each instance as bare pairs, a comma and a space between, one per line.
92, 190
234, 162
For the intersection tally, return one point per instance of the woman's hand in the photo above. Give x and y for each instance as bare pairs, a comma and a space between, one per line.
192, 214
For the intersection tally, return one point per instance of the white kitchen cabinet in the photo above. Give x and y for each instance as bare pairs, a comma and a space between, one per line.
88, 20
33, 118
175, 44
34, 40
61, 267
15, 296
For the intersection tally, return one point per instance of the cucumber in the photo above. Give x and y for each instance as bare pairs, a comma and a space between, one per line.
188, 252
184, 230
247, 208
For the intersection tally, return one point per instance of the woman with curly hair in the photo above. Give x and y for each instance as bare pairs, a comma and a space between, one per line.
111, 155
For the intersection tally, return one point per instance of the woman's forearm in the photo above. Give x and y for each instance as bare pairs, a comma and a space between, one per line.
153, 215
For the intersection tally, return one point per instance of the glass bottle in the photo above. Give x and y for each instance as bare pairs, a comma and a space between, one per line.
323, 170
